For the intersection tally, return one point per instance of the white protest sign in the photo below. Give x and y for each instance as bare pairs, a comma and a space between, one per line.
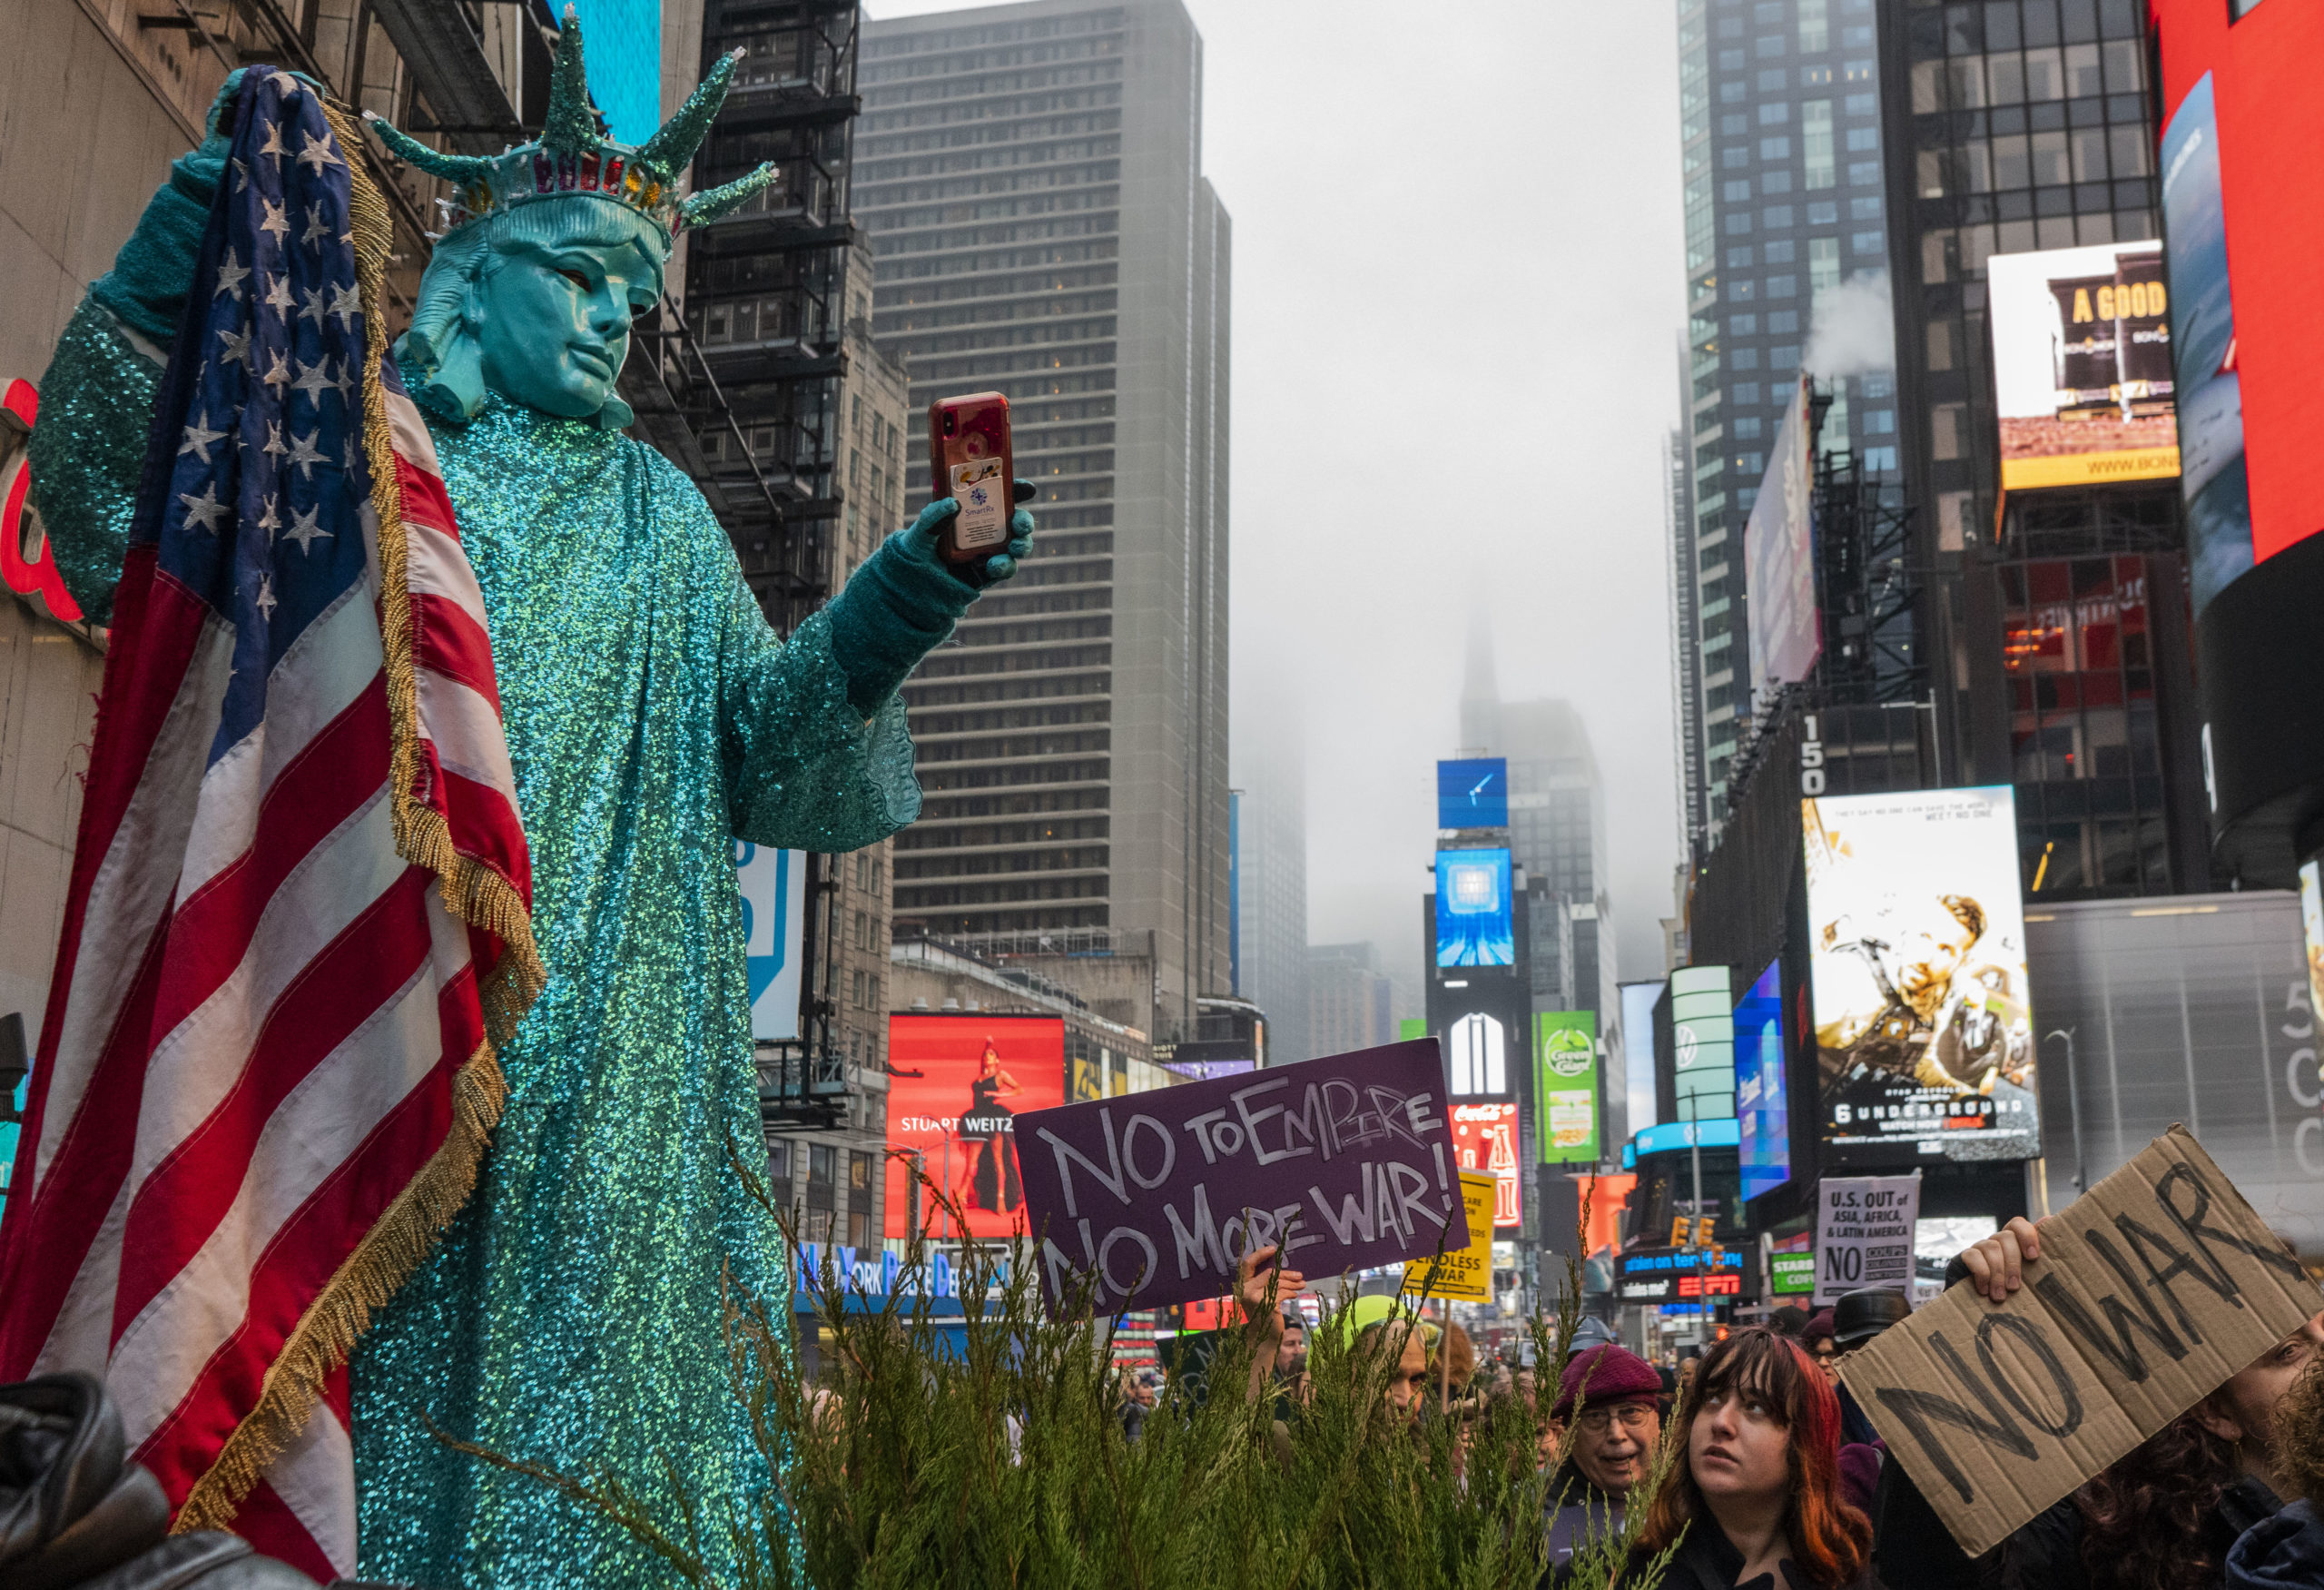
1864, 1234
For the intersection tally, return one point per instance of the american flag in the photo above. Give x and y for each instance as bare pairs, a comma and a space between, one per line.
297, 920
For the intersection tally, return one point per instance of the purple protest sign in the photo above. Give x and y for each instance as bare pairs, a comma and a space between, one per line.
1345, 1160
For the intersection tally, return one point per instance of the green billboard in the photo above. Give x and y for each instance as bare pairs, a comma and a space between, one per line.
1411, 1027
1565, 1085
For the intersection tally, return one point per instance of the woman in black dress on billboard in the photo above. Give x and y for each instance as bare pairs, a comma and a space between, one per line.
990, 1131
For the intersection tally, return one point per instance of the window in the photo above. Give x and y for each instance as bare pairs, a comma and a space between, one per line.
1863, 104
1879, 421
1738, 221
822, 1164
1861, 138
1753, 465
1743, 359
1767, 13
1822, 264
1746, 392
859, 1173
1775, 115
1742, 325
1863, 173
1816, 142
1730, 27
1734, 123
1880, 383
1769, 82
1746, 428
1784, 357
1864, 209
1867, 242
1780, 252
1880, 460
1735, 155
778, 1163
1770, 47
1776, 217
1739, 258
1948, 431
859, 1228
1823, 212
1857, 72
1783, 321
1730, 93
1738, 192
1740, 290
1730, 60
1783, 286
1814, 30
1855, 38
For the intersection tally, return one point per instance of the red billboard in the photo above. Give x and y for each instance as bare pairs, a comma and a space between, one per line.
1484, 1140
956, 1085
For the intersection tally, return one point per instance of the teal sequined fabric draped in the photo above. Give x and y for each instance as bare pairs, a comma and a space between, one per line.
573, 1316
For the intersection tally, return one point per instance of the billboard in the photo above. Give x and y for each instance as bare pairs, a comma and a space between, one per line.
1472, 792
773, 887
1779, 559
1484, 1143
1473, 923
1638, 1051
1565, 1085
1703, 1039
1917, 966
1476, 1055
1762, 1102
2209, 389
2082, 366
956, 1085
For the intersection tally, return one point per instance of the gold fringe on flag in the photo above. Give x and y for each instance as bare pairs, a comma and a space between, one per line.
474, 894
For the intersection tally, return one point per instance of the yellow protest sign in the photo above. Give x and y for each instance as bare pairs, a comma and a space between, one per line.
1462, 1272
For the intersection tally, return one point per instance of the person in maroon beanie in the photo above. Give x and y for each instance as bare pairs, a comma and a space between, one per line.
1613, 1399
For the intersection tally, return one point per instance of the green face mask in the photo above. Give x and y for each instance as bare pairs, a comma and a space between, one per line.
551, 309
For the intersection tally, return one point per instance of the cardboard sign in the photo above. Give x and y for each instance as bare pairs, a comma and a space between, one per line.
1347, 1161
2152, 1289
1467, 1273
1864, 1234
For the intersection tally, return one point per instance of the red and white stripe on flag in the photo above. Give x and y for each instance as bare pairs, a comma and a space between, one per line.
266, 1073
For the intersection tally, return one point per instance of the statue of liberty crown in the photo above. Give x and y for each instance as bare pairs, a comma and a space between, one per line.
572, 159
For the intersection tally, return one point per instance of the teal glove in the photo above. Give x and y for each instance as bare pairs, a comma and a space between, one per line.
903, 601
146, 287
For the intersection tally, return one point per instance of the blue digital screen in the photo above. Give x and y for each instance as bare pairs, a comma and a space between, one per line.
1762, 1105
1473, 921
1472, 793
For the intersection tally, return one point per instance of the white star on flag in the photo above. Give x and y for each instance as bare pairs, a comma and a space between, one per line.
274, 144
205, 509
347, 302
316, 227
305, 531
271, 521
312, 310
280, 375
289, 85
237, 350
231, 273
346, 383
305, 454
199, 436
274, 222
241, 176
277, 297
317, 154
274, 447
312, 381
265, 602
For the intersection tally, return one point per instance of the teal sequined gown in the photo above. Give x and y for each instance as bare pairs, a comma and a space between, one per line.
572, 1317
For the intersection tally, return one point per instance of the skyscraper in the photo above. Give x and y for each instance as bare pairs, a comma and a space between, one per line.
1271, 905
1786, 234
1032, 177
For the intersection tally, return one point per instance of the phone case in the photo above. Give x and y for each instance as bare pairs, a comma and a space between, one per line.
969, 458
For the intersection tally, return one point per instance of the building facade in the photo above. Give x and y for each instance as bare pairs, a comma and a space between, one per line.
1787, 264
1350, 1005
2059, 618
1271, 887
1032, 177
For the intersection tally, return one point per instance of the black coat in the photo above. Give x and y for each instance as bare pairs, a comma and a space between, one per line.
1706, 1560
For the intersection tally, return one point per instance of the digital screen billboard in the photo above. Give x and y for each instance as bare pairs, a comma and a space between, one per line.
1916, 968
1637, 1050
1565, 1085
1473, 923
1762, 1102
773, 884
1472, 793
956, 1085
1476, 1055
2083, 381
1779, 559
1702, 1037
1484, 1140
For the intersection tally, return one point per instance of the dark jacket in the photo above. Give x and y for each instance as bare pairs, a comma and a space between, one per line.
1577, 1513
2280, 1552
1706, 1560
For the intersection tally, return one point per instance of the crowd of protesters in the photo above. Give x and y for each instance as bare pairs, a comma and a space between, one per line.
1752, 1467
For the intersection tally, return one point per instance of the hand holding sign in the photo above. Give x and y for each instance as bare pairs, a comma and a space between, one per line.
2126, 1309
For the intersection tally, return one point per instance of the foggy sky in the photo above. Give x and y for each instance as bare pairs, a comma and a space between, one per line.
1458, 286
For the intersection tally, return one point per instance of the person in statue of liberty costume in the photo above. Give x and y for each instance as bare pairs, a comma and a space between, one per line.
572, 1316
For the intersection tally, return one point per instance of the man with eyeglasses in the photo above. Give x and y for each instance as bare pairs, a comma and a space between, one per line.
1612, 1400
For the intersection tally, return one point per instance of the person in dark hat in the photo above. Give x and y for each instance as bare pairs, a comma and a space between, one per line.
1612, 1399
1817, 1336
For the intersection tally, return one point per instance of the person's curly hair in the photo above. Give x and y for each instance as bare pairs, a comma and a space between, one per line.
2299, 1433
2143, 1518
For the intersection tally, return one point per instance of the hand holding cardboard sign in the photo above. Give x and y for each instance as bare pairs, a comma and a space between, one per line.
1997, 1263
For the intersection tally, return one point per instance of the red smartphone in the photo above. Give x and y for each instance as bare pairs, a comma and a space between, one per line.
969, 458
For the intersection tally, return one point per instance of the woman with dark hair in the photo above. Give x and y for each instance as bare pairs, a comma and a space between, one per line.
1755, 1499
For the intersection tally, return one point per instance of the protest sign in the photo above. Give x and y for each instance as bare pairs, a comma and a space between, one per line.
1864, 1234
2151, 1291
1467, 1272
1347, 1161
